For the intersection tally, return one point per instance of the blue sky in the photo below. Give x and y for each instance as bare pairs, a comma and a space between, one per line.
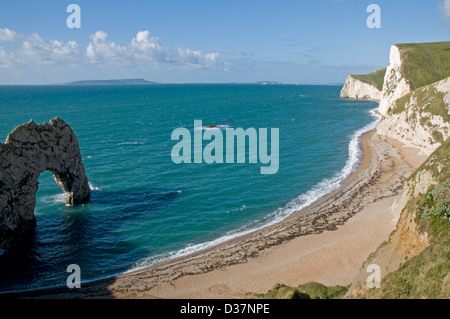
302, 41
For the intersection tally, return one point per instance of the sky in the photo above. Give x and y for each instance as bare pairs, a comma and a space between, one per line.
209, 41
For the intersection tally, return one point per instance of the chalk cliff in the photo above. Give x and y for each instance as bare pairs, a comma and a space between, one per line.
421, 118
354, 88
395, 83
29, 150
415, 99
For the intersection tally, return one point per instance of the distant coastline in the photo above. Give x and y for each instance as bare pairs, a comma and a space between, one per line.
111, 82
145, 82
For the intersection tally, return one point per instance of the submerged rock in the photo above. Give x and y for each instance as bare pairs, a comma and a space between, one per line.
29, 150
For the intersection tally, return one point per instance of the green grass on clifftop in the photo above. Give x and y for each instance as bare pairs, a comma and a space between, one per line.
375, 78
425, 63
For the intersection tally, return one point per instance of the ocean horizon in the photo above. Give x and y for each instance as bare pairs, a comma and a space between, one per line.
144, 208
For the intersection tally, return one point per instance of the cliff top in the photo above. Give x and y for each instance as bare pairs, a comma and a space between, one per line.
425, 63
375, 78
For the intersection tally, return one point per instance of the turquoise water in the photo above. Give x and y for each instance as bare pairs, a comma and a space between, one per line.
144, 208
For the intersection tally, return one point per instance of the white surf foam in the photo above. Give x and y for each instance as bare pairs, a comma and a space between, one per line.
131, 143
94, 188
54, 199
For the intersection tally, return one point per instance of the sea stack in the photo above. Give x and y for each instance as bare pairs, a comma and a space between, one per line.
29, 150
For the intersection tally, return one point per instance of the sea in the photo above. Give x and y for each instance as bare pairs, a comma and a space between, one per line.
145, 208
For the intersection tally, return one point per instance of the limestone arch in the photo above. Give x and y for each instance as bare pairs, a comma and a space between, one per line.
29, 150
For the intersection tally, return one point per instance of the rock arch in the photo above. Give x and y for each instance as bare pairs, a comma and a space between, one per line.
29, 150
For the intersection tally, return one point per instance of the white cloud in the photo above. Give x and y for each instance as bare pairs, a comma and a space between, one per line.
100, 50
141, 51
445, 9
144, 55
146, 48
7, 35
99, 36
36, 50
7, 59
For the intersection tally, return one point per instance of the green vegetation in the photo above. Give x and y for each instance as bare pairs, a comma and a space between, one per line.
283, 292
428, 100
375, 78
436, 203
307, 291
425, 63
437, 136
438, 164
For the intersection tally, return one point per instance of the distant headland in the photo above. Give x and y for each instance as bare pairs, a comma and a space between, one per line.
111, 82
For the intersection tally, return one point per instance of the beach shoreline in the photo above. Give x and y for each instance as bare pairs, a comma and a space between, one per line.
296, 250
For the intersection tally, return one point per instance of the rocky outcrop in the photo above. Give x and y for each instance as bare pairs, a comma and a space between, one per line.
29, 150
359, 90
395, 84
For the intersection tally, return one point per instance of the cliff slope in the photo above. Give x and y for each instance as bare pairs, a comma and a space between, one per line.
414, 262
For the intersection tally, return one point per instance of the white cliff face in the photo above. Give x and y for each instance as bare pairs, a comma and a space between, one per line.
395, 85
415, 126
356, 89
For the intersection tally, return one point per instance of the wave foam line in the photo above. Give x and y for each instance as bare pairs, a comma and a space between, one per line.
131, 143
321, 189
54, 199
94, 188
